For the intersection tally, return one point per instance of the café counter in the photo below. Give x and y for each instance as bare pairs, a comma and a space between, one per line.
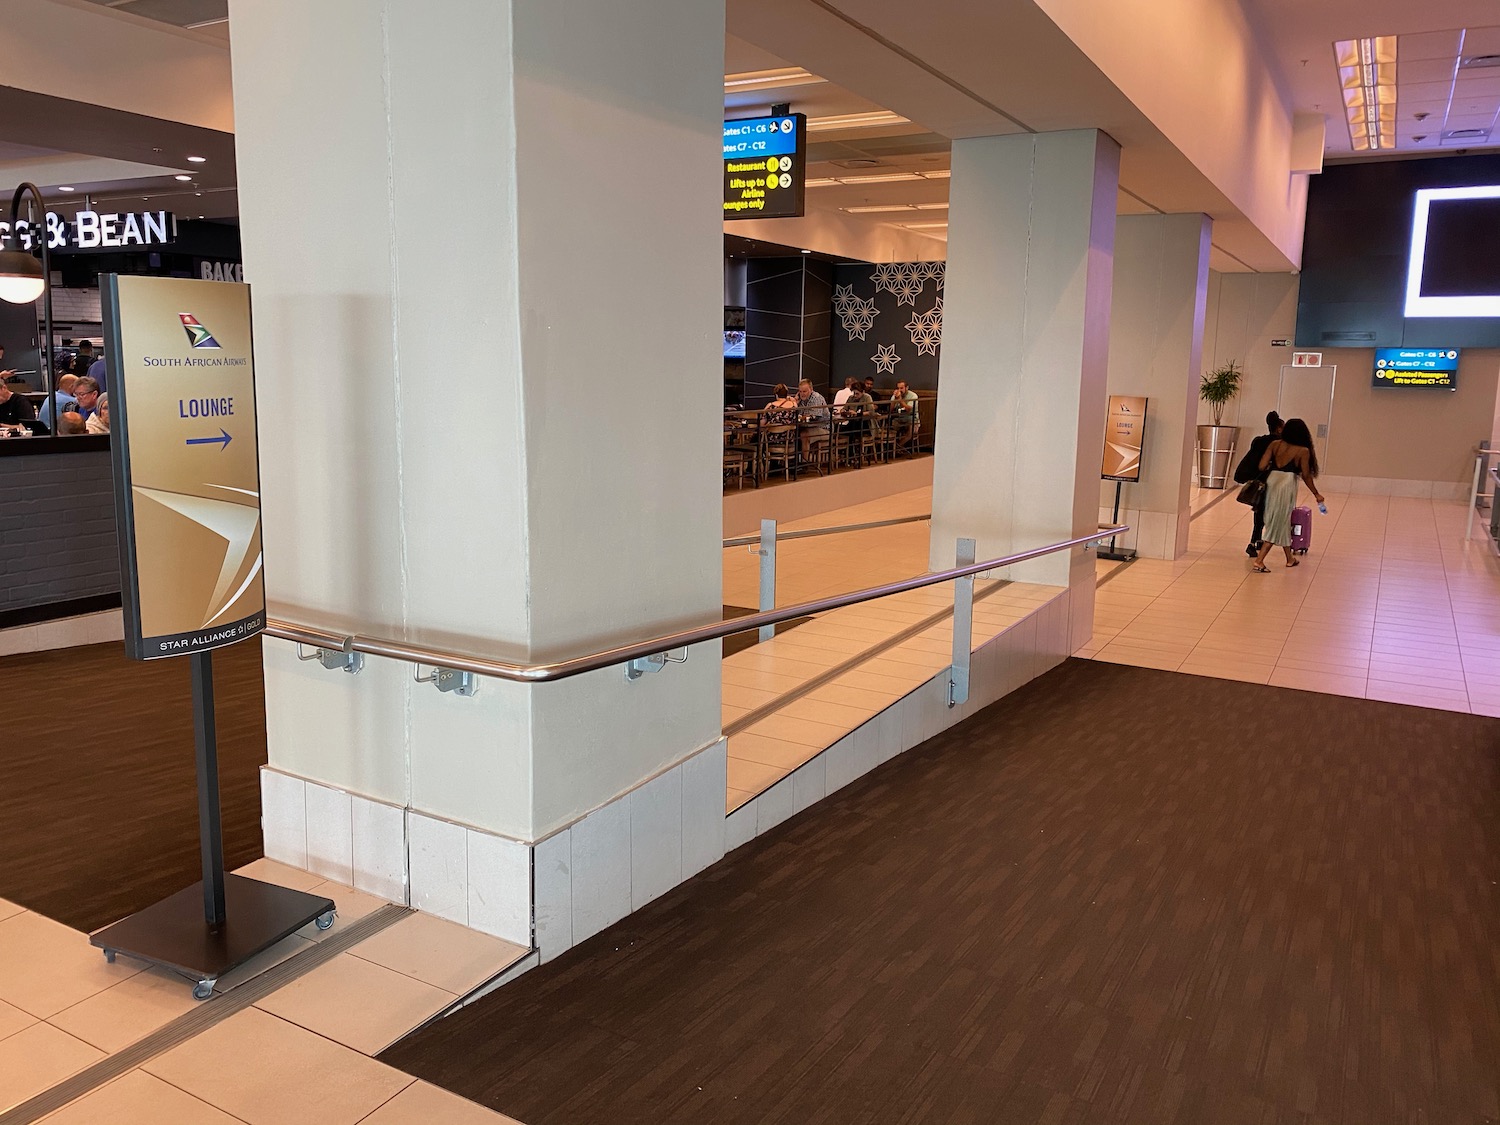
58, 555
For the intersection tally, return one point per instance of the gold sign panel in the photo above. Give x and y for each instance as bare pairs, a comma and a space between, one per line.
187, 477
1123, 436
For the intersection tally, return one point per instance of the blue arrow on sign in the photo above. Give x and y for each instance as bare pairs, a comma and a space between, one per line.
222, 441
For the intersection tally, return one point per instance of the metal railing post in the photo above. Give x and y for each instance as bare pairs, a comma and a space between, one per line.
963, 626
1474, 494
767, 575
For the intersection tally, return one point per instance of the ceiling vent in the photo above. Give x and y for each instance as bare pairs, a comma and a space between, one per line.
857, 163
1465, 134
1478, 62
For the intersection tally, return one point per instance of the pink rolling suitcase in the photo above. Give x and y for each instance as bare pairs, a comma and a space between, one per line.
1301, 529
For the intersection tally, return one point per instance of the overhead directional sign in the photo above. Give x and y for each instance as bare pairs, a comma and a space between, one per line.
765, 161
1416, 367
187, 478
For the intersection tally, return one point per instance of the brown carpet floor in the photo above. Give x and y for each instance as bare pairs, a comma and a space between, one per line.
98, 794
1119, 895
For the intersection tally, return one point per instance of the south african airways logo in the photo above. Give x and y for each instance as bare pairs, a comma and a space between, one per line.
197, 335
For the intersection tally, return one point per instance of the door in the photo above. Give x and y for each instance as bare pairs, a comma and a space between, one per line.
1307, 393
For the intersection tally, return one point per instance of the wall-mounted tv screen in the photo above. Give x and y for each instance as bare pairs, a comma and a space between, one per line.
1416, 367
734, 343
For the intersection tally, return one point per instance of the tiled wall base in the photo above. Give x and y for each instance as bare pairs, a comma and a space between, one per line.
1386, 486
67, 632
1152, 535
580, 880
1034, 645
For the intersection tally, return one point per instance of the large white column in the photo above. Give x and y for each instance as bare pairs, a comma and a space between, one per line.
1025, 340
1156, 350
484, 244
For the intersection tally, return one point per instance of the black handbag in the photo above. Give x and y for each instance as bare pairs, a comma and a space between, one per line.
1252, 493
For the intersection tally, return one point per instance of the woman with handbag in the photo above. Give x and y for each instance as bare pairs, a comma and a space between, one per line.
1248, 473
1286, 460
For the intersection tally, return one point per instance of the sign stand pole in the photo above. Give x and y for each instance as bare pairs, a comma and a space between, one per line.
1113, 555
210, 822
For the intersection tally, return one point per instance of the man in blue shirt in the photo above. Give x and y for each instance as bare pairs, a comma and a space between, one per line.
86, 393
62, 399
96, 373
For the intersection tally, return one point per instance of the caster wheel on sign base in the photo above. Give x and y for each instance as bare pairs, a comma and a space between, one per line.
203, 990
323, 921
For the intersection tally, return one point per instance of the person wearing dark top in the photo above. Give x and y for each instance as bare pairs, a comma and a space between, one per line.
14, 408
84, 359
1249, 469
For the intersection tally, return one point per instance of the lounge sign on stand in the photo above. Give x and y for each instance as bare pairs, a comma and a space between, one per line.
187, 505
182, 414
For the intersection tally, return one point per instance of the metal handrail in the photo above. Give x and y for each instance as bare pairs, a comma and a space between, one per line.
750, 540
654, 646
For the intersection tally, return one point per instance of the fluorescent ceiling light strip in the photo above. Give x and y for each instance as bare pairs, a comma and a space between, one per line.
769, 79
873, 120
878, 208
881, 178
925, 226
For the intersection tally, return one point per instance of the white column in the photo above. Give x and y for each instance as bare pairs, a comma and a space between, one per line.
1156, 350
1025, 341
485, 251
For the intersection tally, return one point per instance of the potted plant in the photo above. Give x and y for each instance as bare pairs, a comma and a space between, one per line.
1216, 442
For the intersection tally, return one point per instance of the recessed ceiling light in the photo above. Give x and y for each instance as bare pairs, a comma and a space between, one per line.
925, 226
877, 208
807, 251
182, 179
65, 189
197, 160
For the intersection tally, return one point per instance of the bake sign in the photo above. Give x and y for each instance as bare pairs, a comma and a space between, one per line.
96, 230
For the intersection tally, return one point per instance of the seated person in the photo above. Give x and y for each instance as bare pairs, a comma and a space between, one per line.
813, 415
781, 410
14, 409
62, 399
857, 408
72, 423
86, 391
843, 396
903, 408
98, 422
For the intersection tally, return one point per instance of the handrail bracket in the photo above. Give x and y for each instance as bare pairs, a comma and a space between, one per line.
344, 659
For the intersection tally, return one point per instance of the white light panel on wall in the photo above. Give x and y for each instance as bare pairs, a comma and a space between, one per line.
1469, 304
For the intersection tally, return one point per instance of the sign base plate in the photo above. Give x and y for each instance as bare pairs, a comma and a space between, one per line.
1111, 555
174, 935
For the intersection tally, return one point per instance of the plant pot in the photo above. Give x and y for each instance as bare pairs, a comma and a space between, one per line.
1215, 455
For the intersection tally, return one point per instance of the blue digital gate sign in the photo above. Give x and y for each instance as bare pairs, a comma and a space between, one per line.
765, 167
1416, 367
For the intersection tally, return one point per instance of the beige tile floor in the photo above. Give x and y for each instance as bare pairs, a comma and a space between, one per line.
303, 1053
791, 672
1391, 603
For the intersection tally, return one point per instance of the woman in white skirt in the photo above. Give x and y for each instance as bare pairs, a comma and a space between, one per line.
1289, 457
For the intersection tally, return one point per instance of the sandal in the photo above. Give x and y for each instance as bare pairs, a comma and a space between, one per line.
1258, 568
1294, 562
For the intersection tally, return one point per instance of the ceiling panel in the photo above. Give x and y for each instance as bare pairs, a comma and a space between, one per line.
1410, 71
1430, 45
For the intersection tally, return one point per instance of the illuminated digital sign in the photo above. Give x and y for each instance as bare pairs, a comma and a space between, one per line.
765, 162
1416, 367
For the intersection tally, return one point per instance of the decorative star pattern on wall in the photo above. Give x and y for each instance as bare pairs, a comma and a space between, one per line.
885, 359
859, 317
843, 300
927, 329
907, 279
